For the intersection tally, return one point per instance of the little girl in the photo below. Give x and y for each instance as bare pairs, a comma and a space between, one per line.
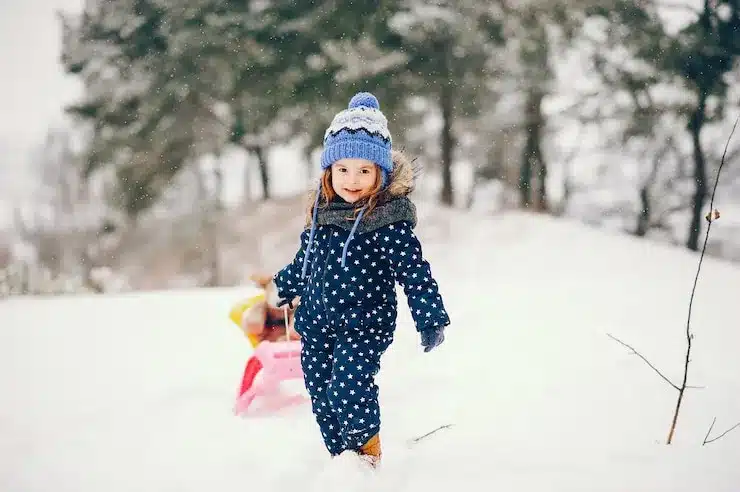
359, 243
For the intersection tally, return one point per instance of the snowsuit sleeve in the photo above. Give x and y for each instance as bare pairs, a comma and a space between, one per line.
414, 274
288, 280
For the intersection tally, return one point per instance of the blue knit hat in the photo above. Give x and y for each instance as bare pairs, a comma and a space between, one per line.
360, 131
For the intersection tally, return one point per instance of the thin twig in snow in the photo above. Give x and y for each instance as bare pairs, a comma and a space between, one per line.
710, 430
706, 438
711, 217
646, 362
419, 438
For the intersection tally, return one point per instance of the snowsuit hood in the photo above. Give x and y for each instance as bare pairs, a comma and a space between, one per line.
393, 205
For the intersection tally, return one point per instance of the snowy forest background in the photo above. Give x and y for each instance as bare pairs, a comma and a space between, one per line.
186, 158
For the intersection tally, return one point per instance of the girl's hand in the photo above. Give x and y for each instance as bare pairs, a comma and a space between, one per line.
432, 337
282, 302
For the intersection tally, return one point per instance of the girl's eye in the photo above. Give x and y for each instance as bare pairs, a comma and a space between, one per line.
365, 171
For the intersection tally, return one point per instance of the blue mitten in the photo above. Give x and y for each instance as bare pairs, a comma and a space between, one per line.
432, 337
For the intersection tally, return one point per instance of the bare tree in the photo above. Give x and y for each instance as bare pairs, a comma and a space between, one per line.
60, 225
59, 204
210, 188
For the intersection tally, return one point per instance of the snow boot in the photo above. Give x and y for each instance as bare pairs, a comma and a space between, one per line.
370, 451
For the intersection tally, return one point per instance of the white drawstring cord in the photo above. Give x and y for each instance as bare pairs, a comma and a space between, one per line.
287, 331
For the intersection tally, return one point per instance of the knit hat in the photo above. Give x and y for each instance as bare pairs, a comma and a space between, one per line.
360, 131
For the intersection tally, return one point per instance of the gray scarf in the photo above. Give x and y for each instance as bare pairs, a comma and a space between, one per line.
342, 214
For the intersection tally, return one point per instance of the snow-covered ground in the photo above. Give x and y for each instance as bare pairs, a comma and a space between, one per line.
135, 391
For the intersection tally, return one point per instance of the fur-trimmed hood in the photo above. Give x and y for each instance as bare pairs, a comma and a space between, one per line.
392, 205
403, 178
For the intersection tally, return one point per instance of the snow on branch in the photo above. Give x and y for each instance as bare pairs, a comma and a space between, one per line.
362, 60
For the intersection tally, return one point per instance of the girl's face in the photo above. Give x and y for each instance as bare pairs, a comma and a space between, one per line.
352, 178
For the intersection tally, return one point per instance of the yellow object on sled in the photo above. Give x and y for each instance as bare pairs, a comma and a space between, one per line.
237, 313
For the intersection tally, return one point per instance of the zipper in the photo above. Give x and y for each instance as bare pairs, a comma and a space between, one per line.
323, 277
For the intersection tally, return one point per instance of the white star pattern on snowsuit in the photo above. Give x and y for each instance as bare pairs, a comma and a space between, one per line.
347, 316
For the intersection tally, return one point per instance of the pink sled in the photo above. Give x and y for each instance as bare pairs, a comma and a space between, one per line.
274, 362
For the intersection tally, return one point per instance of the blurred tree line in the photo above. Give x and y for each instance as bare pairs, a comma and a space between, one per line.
168, 83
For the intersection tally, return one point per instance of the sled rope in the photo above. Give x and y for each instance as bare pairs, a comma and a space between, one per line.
287, 331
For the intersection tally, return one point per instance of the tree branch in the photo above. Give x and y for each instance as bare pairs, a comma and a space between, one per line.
674, 386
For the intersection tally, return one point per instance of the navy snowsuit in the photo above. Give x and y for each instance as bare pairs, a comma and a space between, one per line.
347, 314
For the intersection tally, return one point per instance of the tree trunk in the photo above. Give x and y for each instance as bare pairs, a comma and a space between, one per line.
446, 102
538, 124
247, 185
259, 151
532, 159
700, 179
218, 187
541, 203
525, 180
208, 208
214, 219
643, 219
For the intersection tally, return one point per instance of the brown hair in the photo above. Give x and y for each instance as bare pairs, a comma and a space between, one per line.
327, 194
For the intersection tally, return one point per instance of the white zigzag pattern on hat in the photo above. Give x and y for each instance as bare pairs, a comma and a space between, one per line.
355, 118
